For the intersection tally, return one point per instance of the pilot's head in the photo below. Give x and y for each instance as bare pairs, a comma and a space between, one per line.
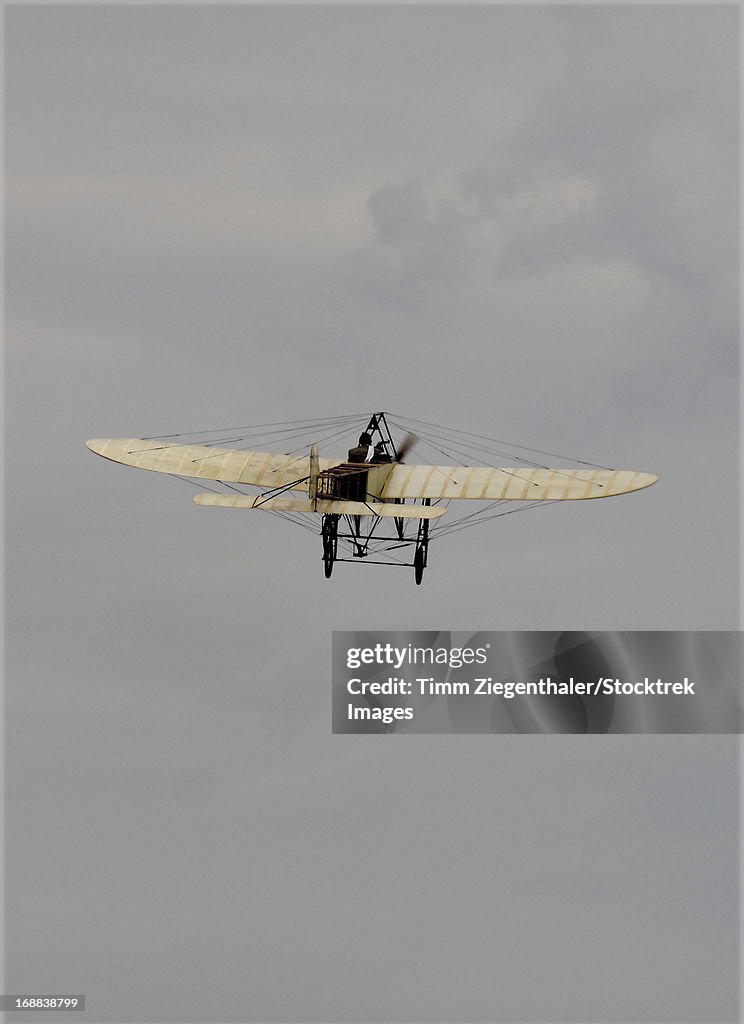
365, 438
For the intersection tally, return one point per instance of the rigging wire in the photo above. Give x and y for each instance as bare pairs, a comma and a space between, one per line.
195, 483
510, 444
272, 437
277, 423
455, 454
490, 451
290, 517
331, 428
517, 458
318, 440
455, 527
442, 526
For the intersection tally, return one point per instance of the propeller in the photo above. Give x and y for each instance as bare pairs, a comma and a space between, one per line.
405, 446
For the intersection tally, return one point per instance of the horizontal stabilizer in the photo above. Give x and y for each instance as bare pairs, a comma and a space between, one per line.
348, 508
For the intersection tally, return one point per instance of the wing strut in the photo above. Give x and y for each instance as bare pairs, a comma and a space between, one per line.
312, 487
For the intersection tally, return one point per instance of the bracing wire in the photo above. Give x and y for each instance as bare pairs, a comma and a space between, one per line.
457, 527
311, 423
509, 444
464, 447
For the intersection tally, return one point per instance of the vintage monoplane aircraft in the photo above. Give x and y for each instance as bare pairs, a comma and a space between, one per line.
378, 486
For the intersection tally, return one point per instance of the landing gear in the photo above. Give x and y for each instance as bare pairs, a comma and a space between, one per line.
330, 543
355, 540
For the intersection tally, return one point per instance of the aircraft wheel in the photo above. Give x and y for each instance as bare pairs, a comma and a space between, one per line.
327, 564
419, 564
330, 542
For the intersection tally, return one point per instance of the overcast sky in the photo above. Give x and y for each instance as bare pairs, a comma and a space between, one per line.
519, 221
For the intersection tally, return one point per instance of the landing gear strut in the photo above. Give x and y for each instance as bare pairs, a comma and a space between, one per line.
330, 543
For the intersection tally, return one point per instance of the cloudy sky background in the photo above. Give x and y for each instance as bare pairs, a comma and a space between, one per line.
517, 221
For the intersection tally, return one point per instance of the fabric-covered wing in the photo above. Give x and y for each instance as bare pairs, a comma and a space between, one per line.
486, 484
269, 470
263, 469
321, 506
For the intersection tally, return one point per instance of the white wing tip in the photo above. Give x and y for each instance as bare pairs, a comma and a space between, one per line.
118, 449
98, 444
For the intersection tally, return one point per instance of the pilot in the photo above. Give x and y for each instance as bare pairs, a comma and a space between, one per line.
380, 456
356, 482
364, 452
